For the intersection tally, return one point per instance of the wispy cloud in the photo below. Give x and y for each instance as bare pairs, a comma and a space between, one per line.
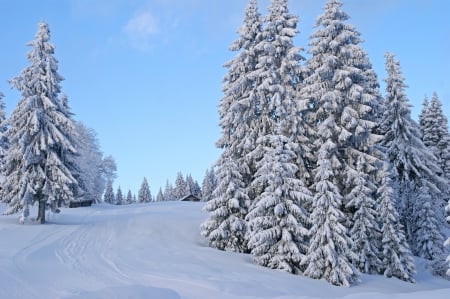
140, 30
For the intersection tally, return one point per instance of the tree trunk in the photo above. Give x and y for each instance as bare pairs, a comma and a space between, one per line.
41, 211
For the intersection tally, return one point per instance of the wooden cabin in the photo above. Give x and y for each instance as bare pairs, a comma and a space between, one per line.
190, 197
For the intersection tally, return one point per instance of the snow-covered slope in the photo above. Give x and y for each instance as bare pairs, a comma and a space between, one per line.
155, 251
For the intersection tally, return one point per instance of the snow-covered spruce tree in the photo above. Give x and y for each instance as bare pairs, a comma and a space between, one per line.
277, 216
129, 198
436, 136
429, 239
119, 197
4, 144
193, 187
278, 235
180, 189
397, 258
209, 184
144, 194
414, 167
346, 104
330, 253
41, 136
109, 196
225, 227
159, 195
168, 192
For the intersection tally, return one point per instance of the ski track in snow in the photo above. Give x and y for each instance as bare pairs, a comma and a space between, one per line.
155, 251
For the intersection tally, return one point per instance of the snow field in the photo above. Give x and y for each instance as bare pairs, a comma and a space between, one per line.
155, 251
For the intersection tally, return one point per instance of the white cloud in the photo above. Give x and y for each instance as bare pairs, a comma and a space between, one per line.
140, 29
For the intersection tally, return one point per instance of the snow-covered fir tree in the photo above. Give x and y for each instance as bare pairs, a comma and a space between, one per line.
119, 197
330, 253
397, 258
180, 189
168, 192
193, 187
225, 227
345, 105
428, 236
209, 184
109, 196
129, 198
278, 237
436, 136
144, 194
160, 195
38, 163
415, 168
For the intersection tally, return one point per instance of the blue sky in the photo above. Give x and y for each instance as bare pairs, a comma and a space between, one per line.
147, 74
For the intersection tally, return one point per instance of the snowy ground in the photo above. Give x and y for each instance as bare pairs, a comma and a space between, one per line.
156, 251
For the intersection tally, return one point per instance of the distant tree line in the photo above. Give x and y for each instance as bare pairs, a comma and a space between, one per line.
320, 175
184, 186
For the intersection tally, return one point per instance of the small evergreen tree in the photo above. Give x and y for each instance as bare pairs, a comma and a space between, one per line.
192, 186
209, 184
129, 197
168, 192
181, 189
160, 196
278, 237
119, 197
397, 258
225, 227
144, 194
39, 165
109, 196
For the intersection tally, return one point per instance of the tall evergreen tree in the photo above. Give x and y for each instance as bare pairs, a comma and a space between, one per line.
277, 216
225, 227
109, 196
397, 258
345, 103
415, 168
38, 165
144, 194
